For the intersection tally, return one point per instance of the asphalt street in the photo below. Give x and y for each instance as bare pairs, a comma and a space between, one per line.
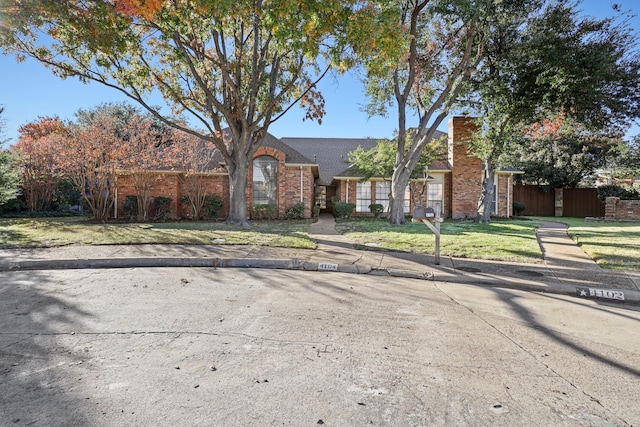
245, 347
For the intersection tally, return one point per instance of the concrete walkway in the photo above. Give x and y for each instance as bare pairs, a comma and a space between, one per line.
559, 250
566, 269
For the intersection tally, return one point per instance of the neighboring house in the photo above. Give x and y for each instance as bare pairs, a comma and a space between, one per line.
314, 171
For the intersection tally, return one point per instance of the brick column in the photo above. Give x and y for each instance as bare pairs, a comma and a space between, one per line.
558, 201
610, 208
466, 171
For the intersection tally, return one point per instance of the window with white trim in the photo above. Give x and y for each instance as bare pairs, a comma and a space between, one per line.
435, 196
363, 196
407, 200
383, 188
265, 181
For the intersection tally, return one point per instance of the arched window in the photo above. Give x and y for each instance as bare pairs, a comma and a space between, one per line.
265, 181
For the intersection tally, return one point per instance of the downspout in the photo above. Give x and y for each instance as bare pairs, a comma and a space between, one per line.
301, 186
347, 201
496, 199
115, 199
509, 195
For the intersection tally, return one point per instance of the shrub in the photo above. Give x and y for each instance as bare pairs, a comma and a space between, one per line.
36, 214
161, 207
376, 209
625, 193
130, 207
343, 209
263, 212
316, 211
66, 195
13, 206
295, 211
212, 206
518, 208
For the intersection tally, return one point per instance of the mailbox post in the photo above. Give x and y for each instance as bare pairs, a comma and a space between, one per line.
428, 217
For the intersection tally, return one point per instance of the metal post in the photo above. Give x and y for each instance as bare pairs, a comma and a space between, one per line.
436, 231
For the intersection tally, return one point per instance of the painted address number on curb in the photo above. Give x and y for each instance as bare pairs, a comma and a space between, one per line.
600, 293
327, 266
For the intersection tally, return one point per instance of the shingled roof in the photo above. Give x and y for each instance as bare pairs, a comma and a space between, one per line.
292, 155
329, 153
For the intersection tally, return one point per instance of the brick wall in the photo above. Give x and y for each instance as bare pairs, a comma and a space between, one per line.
214, 184
162, 184
505, 196
171, 184
621, 210
291, 180
288, 183
466, 179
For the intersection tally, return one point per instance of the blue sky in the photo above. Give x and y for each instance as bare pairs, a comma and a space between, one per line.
29, 90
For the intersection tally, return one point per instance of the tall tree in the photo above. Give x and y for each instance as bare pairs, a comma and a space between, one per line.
38, 148
9, 176
91, 156
9, 170
238, 65
624, 159
559, 153
546, 63
444, 43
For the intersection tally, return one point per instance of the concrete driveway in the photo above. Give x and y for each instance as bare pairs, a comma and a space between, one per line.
232, 347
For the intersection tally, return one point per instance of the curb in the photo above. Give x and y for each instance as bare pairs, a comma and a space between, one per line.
608, 295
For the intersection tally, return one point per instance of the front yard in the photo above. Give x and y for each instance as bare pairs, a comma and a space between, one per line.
47, 232
612, 245
506, 240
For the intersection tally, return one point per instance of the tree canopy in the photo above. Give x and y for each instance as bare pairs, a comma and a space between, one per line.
379, 161
547, 63
233, 66
560, 153
9, 173
444, 45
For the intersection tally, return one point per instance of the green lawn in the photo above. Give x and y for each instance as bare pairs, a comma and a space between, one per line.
47, 232
509, 240
613, 245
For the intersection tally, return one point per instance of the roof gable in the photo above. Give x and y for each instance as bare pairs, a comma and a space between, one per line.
330, 154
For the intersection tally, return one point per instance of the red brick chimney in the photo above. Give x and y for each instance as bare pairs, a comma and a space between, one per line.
466, 171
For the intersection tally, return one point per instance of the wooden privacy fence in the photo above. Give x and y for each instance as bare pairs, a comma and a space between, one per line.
536, 201
582, 202
576, 202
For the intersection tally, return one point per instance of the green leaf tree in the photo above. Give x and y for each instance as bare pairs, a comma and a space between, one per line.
379, 161
560, 153
624, 159
234, 67
444, 43
548, 63
9, 170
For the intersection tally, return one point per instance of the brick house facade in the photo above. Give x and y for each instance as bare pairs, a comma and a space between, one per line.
315, 171
453, 187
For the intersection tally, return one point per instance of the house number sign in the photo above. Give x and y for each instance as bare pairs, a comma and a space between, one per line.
600, 293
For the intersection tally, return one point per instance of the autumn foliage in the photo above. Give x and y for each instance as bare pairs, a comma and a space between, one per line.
40, 160
104, 143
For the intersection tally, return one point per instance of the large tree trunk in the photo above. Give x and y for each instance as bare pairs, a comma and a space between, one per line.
238, 169
399, 183
487, 197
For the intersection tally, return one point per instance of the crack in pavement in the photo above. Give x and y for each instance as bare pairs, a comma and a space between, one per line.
532, 355
134, 333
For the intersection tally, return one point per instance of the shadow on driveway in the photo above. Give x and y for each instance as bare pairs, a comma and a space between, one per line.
35, 366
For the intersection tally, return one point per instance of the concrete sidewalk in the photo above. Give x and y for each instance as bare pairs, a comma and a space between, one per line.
566, 269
